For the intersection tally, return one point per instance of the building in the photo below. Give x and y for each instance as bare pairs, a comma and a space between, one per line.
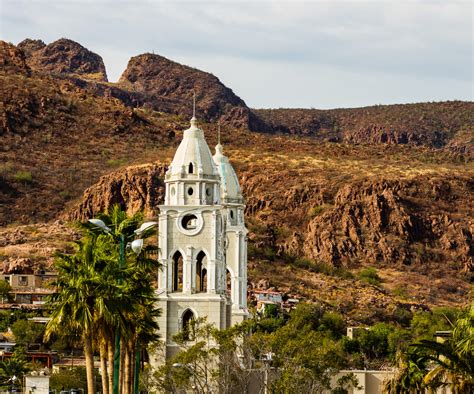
202, 240
29, 290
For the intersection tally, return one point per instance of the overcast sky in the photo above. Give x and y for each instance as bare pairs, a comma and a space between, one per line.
321, 54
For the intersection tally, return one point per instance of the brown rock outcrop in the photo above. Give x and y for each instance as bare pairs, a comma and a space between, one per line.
382, 223
134, 189
28, 46
18, 266
12, 59
64, 56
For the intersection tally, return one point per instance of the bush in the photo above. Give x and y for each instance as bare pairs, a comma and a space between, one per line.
71, 378
23, 176
369, 275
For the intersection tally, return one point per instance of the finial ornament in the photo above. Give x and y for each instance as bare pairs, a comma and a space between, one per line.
194, 104
219, 132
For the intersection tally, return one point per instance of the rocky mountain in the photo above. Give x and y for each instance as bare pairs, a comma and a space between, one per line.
63, 57
438, 125
169, 87
327, 192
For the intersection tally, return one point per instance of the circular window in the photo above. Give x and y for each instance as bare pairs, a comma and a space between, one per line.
173, 191
189, 222
190, 191
208, 191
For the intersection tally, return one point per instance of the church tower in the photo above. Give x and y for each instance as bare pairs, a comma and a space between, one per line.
202, 243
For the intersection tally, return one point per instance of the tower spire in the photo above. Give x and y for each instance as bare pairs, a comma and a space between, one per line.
193, 119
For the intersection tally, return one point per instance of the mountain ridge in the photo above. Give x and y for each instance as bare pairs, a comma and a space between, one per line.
323, 201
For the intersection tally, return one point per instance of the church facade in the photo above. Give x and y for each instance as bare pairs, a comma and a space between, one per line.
202, 240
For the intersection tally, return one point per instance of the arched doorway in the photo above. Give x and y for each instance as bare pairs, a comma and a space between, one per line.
177, 272
187, 326
201, 272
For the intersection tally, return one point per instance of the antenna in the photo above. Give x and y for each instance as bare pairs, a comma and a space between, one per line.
194, 104
219, 132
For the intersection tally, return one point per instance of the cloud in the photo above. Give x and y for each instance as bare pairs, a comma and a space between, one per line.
424, 47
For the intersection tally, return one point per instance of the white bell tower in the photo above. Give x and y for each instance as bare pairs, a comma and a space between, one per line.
198, 240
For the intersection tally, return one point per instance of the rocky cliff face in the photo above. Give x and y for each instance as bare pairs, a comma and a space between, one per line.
383, 223
63, 57
380, 223
134, 189
168, 86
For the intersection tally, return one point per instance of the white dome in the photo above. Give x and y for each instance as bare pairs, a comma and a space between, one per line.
230, 188
193, 155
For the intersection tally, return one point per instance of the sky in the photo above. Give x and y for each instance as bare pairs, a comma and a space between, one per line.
274, 54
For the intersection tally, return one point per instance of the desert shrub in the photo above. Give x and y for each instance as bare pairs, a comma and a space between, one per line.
23, 176
400, 291
402, 316
65, 194
370, 275
116, 162
315, 211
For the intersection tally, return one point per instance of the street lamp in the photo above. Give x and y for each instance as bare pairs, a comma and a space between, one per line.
99, 224
137, 246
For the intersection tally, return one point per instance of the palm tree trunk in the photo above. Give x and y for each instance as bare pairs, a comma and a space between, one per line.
122, 366
126, 370
89, 355
110, 357
103, 366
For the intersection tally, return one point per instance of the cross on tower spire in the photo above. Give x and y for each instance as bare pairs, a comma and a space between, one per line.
194, 105
219, 132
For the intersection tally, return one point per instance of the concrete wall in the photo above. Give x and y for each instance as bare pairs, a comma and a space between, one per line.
37, 385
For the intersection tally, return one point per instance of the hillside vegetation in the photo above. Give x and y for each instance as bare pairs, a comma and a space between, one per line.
329, 193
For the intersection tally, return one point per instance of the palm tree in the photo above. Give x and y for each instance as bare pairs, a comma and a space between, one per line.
134, 302
98, 296
12, 370
76, 300
410, 372
453, 359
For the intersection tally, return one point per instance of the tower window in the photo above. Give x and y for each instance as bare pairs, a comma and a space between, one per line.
232, 214
191, 168
173, 192
201, 273
208, 191
188, 326
177, 272
190, 191
189, 222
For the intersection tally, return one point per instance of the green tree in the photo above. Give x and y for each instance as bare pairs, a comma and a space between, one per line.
411, 367
453, 359
26, 332
13, 369
5, 291
96, 295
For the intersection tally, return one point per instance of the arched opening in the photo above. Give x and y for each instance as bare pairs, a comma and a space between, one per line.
201, 272
189, 222
190, 168
228, 279
187, 326
177, 272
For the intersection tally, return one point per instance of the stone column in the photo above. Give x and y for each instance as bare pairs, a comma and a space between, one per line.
187, 269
